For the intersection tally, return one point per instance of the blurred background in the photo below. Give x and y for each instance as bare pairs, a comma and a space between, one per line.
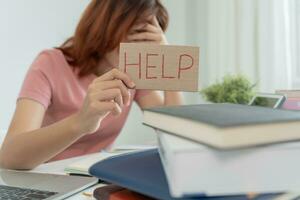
257, 38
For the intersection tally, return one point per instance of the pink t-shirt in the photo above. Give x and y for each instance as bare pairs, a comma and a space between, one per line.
52, 82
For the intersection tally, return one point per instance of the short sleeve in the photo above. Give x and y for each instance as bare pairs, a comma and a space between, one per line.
36, 85
141, 93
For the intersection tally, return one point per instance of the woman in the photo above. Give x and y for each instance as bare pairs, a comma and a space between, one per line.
73, 100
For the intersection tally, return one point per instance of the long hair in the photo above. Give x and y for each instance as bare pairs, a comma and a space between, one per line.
102, 27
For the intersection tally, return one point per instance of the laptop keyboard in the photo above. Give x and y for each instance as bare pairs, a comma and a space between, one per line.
16, 193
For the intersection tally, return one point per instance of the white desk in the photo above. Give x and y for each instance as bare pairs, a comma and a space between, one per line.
57, 167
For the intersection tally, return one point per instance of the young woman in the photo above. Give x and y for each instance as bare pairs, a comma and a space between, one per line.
73, 100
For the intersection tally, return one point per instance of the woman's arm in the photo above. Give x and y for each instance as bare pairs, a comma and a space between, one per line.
173, 98
154, 98
28, 145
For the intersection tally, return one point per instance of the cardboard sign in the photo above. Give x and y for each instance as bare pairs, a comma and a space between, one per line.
160, 67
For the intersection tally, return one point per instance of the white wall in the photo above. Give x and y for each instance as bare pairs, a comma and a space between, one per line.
27, 27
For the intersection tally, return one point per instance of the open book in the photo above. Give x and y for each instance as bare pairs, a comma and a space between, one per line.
81, 167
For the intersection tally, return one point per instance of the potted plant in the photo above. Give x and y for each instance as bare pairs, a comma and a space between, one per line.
233, 89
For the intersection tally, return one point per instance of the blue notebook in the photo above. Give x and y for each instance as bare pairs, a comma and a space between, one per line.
142, 172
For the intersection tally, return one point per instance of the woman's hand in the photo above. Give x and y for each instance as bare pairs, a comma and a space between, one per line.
106, 94
150, 32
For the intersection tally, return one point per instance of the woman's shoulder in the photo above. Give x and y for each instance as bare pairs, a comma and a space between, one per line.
49, 60
51, 52
51, 56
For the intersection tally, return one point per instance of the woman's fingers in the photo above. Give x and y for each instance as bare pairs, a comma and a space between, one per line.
105, 107
138, 28
155, 22
107, 95
147, 32
116, 74
144, 28
111, 88
104, 85
145, 36
153, 29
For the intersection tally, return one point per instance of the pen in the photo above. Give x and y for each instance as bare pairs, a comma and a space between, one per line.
87, 194
75, 174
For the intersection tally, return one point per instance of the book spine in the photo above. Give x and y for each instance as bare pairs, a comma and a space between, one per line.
105, 192
162, 150
289, 93
168, 159
292, 104
128, 195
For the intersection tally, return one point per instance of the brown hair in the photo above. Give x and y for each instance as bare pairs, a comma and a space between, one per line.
103, 26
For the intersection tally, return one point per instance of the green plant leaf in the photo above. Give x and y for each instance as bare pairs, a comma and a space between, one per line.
233, 89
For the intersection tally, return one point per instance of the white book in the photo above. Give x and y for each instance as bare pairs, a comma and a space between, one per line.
192, 168
289, 93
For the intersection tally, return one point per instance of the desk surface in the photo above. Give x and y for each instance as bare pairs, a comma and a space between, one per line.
57, 167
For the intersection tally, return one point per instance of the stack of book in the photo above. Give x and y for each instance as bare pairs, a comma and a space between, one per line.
292, 99
227, 149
